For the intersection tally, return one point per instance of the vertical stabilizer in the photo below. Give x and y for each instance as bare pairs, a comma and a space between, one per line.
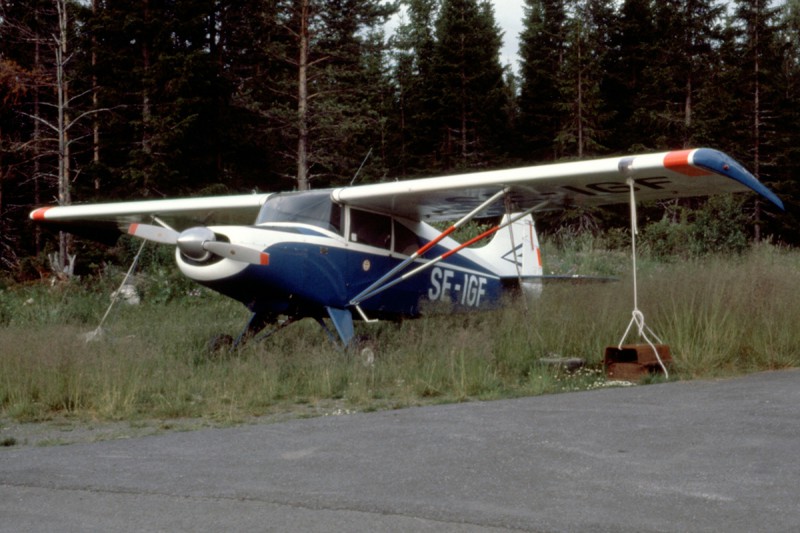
514, 250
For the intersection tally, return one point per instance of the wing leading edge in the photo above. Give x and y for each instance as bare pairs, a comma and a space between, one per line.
181, 213
677, 174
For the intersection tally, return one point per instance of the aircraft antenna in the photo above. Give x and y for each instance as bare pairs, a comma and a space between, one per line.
364, 162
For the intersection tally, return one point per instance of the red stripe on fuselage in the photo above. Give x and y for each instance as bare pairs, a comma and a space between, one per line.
679, 162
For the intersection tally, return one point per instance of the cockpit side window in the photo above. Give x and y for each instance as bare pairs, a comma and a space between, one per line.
309, 207
406, 241
371, 229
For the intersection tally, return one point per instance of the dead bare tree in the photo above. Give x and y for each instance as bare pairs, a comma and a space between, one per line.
59, 121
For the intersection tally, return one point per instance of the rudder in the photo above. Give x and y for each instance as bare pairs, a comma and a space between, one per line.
514, 250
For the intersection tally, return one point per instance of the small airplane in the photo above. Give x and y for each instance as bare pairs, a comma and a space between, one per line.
368, 252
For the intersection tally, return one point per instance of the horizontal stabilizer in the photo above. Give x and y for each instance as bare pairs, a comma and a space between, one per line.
574, 278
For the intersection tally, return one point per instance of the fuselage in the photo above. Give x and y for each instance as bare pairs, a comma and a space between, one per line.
330, 254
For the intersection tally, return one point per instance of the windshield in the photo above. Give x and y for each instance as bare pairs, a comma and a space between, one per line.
307, 207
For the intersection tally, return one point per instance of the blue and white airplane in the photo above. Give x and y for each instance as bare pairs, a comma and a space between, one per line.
367, 252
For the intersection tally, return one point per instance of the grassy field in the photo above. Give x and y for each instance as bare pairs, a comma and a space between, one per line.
721, 316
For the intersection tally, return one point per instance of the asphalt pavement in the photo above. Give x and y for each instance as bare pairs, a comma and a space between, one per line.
687, 456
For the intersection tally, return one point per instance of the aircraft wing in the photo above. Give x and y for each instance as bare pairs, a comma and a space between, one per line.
108, 219
677, 174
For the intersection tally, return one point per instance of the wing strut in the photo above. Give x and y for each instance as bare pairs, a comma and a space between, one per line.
638, 316
363, 295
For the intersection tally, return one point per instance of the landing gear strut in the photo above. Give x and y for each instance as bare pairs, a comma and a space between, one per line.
257, 323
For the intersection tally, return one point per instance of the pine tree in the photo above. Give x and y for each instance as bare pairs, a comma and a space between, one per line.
253, 51
14, 86
680, 72
789, 113
542, 53
588, 35
378, 138
632, 45
158, 65
757, 66
416, 95
328, 122
703, 39
787, 153
471, 84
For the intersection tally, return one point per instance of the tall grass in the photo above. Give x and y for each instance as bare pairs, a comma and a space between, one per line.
730, 315
720, 315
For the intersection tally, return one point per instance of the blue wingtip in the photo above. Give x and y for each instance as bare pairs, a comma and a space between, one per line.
723, 164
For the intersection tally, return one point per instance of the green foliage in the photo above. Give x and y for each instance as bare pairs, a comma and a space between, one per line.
586, 255
632, 40
583, 128
157, 277
719, 227
468, 231
542, 46
414, 74
39, 304
469, 84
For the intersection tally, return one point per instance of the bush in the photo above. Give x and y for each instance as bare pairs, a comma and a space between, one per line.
719, 227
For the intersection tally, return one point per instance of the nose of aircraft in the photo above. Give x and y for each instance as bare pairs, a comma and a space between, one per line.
200, 243
190, 242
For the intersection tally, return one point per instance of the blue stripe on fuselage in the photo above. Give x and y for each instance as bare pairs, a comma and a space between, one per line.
313, 275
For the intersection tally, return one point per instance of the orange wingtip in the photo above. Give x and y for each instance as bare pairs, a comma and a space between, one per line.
679, 162
265, 259
39, 213
132, 229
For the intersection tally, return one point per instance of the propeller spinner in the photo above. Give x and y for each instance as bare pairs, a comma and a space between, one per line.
199, 243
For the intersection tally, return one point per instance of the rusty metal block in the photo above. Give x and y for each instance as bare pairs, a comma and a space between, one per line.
633, 362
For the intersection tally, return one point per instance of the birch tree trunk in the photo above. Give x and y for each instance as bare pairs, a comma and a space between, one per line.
302, 100
62, 90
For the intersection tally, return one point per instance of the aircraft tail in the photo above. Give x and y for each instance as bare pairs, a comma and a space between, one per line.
514, 250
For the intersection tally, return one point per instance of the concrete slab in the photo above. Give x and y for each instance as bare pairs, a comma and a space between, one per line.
693, 456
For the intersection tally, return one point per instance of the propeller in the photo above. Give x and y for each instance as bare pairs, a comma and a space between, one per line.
199, 243
149, 232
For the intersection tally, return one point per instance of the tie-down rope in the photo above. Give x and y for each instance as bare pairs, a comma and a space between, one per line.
93, 335
638, 316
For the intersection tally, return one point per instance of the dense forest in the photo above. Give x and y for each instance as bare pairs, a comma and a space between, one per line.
104, 100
